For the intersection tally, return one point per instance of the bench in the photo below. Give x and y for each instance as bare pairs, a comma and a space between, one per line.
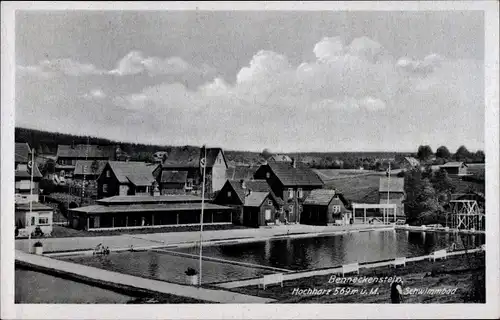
399, 262
350, 268
440, 254
271, 279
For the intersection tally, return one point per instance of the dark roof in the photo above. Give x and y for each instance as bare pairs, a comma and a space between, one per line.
190, 157
80, 151
26, 173
241, 172
396, 185
174, 176
138, 173
34, 206
255, 199
85, 166
320, 197
453, 164
22, 152
254, 186
118, 200
148, 207
301, 175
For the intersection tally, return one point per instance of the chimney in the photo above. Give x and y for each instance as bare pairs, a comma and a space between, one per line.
243, 184
294, 163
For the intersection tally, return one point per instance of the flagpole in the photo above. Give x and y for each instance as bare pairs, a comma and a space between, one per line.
31, 190
388, 191
202, 207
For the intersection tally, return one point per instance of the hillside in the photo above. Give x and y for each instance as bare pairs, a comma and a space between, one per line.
46, 143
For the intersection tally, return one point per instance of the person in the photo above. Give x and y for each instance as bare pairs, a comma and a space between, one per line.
397, 291
453, 247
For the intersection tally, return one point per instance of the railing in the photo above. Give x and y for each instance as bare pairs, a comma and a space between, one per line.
440, 254
399, 262
271, 279
350, 268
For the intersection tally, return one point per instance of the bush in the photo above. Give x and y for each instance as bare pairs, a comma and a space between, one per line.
191, 272
38, 244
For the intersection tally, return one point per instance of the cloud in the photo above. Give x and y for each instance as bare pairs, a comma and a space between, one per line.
135, 63
57, 67
94, 94
420, 67
328, 48
347, 93
264, 65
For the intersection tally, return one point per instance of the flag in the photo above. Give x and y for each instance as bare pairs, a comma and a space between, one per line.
203, 160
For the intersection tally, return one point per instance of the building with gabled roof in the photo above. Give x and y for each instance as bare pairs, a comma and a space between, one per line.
291, 182
254, 202
455, 168
393, 189
22, 153
68, 155
325, 207
24, 191
172, 180
126, 178
409, 163
91, 169
187, 159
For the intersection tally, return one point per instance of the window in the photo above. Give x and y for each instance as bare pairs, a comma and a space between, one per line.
300, 193
268, 175
300, 208
336, 209
108, 174
270, 202
24, 184
291, 209
104, 188
33, 221
43, 220
290, 193
229, 194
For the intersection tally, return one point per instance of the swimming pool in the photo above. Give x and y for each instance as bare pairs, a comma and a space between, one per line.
286, 253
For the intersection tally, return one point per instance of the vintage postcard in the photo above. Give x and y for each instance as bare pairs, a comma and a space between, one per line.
279, 159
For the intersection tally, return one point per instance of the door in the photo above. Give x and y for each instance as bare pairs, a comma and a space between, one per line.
267, 215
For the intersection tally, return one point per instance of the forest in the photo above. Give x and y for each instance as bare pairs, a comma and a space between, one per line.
46, 143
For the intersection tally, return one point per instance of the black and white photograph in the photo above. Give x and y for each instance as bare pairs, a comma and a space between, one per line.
276, 155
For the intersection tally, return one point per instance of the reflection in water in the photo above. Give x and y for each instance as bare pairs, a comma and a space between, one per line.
293, 254
321, 252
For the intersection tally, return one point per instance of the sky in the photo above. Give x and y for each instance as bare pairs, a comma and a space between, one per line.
323, 81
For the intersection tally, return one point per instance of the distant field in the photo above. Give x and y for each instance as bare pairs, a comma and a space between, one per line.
331, 174
476, 168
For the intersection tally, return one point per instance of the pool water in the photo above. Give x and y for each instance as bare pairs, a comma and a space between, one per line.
292, 254
332, 251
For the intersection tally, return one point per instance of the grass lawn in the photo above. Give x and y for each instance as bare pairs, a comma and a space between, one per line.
65, 232
467, 276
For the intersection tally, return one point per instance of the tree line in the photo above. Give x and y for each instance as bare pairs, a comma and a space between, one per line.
443, 155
